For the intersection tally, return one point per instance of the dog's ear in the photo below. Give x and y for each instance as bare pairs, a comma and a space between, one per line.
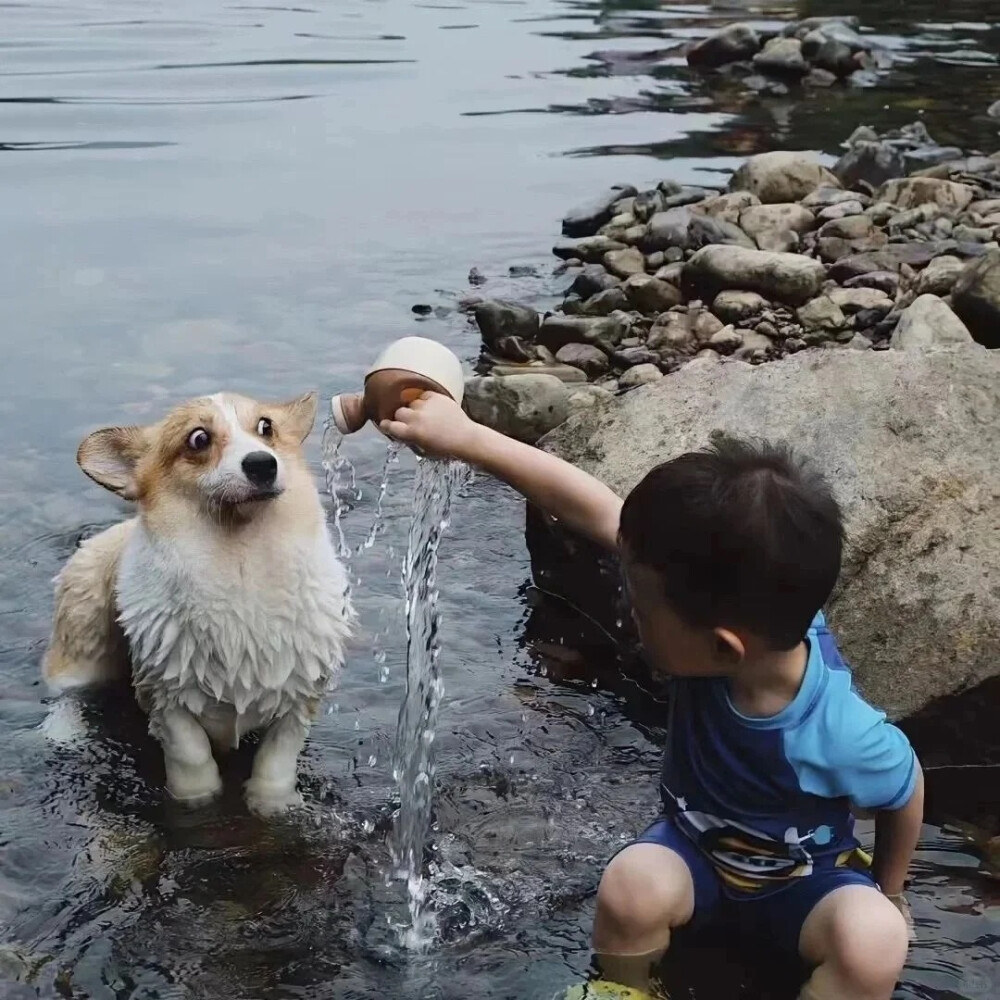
296, 418
109, 457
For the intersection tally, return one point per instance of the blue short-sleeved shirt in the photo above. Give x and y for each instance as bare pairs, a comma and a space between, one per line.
770, 799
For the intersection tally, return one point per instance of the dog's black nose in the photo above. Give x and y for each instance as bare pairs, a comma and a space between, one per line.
261, 468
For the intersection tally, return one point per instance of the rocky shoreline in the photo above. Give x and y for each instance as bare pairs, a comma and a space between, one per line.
897, 244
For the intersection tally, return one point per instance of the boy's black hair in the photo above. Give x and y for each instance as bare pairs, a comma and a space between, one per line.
742, 534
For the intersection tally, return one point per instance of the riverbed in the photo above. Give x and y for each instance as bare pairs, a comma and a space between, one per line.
200, 195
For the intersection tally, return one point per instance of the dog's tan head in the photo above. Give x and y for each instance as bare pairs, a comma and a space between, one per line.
225, 454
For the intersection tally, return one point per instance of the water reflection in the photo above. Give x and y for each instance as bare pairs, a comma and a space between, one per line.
264, 216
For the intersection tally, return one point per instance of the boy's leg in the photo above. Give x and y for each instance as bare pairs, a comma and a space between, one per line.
856, 942
647, 891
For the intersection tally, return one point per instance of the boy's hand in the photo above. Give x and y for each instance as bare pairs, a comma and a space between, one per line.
435, 424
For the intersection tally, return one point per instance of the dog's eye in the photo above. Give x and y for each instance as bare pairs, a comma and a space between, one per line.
264, 427
199, 439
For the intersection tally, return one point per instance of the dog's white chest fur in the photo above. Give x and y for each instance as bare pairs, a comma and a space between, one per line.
237, 630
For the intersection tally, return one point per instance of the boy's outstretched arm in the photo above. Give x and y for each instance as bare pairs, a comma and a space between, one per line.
896, 834
439, 427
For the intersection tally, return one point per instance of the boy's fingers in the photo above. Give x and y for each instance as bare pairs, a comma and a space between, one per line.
394, 428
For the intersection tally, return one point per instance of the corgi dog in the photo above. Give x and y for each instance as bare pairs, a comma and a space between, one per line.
224, 597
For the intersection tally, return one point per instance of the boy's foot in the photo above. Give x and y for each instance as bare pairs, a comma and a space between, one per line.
601, 989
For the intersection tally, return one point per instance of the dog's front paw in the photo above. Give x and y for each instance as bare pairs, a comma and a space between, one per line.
270, 799
196, 788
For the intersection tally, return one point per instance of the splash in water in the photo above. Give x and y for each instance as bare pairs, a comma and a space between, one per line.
341, 482
391, 459
414, 765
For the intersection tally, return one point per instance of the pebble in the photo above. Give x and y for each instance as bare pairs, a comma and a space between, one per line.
854, 300
841, 208
734, 306
632, 356
885, 281
725, 341
640, 375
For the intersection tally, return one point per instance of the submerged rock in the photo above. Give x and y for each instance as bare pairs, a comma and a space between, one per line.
782, 177
911, 442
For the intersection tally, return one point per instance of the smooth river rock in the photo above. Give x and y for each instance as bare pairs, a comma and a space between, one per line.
733, 43
498, 320
777, 227
586, 219
785, 276
912, 192
524, 407
927, 325
782, 177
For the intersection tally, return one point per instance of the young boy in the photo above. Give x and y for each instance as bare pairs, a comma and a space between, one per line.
727, 555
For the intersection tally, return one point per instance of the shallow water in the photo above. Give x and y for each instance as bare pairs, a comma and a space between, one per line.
201, 195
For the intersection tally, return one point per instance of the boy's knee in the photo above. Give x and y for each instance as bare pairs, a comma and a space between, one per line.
645, 892
864, 941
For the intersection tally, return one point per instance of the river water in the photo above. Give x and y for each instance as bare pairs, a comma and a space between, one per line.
202, 195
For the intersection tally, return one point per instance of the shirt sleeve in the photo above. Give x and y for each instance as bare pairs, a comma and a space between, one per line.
854, 753
880, 769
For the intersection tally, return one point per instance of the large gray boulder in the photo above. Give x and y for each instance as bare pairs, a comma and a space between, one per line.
976, 299
910, 442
